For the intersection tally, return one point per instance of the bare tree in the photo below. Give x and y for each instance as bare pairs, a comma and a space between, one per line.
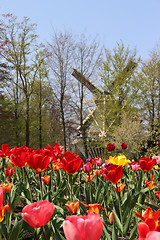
60, 55
88, 60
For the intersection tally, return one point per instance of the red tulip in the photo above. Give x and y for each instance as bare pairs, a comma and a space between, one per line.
39, 160
113, 174
38, 214
54, 152
3, 209
4, 153
9, 171
142, 230
70, 162
88, 227
146, 163
19, 156
124, 145
110, 146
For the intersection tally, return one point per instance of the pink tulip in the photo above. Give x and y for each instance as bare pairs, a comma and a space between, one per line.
153, 235
38, 214
88, 227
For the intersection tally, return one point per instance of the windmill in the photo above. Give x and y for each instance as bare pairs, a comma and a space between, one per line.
110, 117
91, 118
105, 97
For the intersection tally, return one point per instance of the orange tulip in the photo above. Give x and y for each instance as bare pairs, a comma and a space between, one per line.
3, 209
119, 187
95, 207
89, 177
72, 206
6, 187
111, 217
96, 172
150, 184
46, 179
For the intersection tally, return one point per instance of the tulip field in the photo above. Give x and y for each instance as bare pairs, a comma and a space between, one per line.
55, 195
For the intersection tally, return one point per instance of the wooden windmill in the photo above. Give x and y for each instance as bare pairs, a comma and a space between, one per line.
105, 97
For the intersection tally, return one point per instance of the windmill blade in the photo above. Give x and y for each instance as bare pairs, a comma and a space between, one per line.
86, 82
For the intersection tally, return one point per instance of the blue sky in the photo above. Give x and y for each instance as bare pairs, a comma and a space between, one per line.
136, 23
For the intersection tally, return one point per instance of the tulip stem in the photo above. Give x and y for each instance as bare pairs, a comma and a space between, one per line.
40, 180
44, 236
71, 184
29, 185
119, 202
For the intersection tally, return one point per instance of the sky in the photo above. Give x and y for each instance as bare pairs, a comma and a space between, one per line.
136, 23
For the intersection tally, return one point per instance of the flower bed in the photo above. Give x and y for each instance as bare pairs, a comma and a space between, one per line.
51, 194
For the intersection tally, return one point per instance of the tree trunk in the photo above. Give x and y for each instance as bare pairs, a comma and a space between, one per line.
16, 112
27, 121
63, 123
40, 115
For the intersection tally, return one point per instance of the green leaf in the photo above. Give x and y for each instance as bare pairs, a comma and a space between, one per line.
133, 231
126, 226
114, 233
117, 220
3, 230
16, 230
106, 233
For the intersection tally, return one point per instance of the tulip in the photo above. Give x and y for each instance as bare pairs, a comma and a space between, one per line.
110, 147
55, 166
119, 160
72, 206
98, 161
3, 209
38, 214
70, 162
89, 160
96, 172
9, 171
150, 184
54, 152
89, 178
149, 214
95, 207
134, 165
39, 160
113, 174
46, 179
146, 163
157, 158
87, 168
124, 145
142, 230
6, 187
111, 217
4, 153
119, 187
158, 194
88, 227
19, 156
153, 235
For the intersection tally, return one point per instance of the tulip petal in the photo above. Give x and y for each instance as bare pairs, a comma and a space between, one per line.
142, 229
